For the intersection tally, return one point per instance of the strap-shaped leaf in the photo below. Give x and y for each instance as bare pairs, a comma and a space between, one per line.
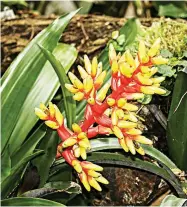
43, 90
22, 74
112, 143
29, 202
29, 146
69, 103
177, 122
14, 177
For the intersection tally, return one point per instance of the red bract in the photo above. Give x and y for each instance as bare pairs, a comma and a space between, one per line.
106, 113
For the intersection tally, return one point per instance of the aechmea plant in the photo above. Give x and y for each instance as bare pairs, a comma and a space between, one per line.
106, 113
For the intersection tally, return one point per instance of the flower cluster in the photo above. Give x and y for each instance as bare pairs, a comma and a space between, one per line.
106, 113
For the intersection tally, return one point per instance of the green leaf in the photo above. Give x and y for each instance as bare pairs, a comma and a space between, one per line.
130, 30
29, 202
41, 92
28, 147
171, 10
112, 143
172, 200
69, 103
22, 74
59, 191
14, 177
43, 163
69, 187
5, 165
166, 70
146, 99
166, 53
176, 127
121, 160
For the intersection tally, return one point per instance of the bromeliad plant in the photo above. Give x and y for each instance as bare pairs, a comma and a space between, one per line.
109, 108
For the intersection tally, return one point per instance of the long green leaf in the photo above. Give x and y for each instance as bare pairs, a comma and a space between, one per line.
22, 75
28, 147
14, 177
29, 202
58, 191
172, 200
69, 103
177, 122
121, 160
5, 164
112, 143
43, 90
43, 163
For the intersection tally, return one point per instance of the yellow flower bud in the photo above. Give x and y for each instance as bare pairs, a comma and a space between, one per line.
51, 110
94, 67
142, 52
103, 180
112, 53
82, 135
87, 64
126, 124
41, 114
130, 145
78, 96
159, 60
143, 140
94, 183
124, 146
91, 166
130, 60
120, 113
84, 180
134, 131
144, 69
76, 165
43, 107
158, 80
82, 72
121, 102
130, 107
159, 91
69, 142
117, 131
83, 153
114, 66
99, 69
76, 82
52, 124
88, 84
91, 101
111, 101
126, 70
71, 88
99, 80
76, 128
77, 151
147, 90
58, 115
144, 80
94, 174
102, 93
114, 118
154, 48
